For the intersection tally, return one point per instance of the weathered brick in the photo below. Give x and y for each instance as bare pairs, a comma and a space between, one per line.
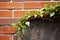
19, 13
17, 4
4, 0
4, 37
5, 13
9, 5
6, 5
7, 30
4, 21
33, 4
7, 21
36, 4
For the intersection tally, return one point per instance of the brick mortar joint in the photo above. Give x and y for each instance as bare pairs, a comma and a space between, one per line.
12, 13
22, 4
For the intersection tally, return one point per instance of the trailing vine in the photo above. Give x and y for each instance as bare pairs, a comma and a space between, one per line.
50, 10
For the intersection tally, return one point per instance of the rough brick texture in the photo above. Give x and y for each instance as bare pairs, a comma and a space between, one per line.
6, 5
4, 37
7, 21
4, 0
5, 13
19, 13
33, 4
9, 5
7, 30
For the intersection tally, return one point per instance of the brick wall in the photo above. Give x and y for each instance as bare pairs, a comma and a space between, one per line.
11, 11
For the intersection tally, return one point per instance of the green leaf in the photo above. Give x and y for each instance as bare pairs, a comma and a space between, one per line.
52, 14
23, 26
23, 30
18, 32
28, 12
27, 23
57, 8
26, 16
14, 24
19, 28
41, 15
35, 16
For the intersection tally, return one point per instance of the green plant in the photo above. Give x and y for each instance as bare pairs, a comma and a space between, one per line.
23, 22
50, 9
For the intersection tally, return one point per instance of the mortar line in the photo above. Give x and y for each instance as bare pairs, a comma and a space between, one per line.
4, 35
11, 38
12, 13
11, 0
22, 4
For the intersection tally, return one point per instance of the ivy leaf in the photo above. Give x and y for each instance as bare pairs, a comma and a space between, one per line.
42, 13
19, 28
23, 26
26, 16
28, 12
35, 16
14, 24
57, 9
23, 30
27, 23
18, 32
52, 14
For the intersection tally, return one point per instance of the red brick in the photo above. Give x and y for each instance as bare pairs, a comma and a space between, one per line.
10, 5
5, 13
6, 5
36, 4
4, 37
33, 4
4, 21
8, 20
19, 13
7, 30
17, 4
4, 0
